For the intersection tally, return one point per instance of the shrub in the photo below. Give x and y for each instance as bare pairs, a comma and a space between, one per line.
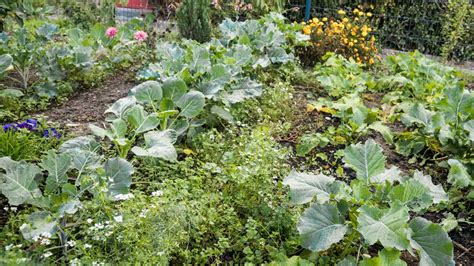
456, 27
193, 20
349, 36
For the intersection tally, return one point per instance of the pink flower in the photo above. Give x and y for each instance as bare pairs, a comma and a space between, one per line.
111, 32
140, 36
216, 4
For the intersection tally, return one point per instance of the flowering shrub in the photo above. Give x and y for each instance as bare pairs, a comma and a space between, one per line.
348, 35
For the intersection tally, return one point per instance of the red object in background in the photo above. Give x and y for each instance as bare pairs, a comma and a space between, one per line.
136, 4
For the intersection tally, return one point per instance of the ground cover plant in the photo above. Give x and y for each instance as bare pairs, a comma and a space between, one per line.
232, 150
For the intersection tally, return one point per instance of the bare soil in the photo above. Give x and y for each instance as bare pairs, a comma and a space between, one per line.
89, 106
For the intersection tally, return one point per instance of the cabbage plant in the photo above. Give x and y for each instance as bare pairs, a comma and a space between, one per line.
56, 185
160, 112
374, 209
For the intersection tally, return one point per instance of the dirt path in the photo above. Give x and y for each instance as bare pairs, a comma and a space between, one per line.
89, 106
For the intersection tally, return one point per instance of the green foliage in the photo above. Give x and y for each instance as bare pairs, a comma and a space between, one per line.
339, 76
20, 10
173, 108
377, 204
23, 145
193, 20
225, 195
459, 14
85, 14
48, 185
223, 68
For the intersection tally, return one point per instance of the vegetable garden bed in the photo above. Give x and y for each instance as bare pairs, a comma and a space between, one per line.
129, 148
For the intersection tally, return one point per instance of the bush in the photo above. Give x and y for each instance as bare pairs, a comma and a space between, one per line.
345, 35
456, 28
193, 20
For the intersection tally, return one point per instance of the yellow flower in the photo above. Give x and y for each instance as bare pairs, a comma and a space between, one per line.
371, 61
345, 20
351, 44
341, 12
364, 33
325, 19
369, 14
307, 30
188, 151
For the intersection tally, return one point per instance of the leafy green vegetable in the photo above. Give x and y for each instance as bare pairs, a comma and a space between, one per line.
387, 226
432, 242
320, 226
366, 159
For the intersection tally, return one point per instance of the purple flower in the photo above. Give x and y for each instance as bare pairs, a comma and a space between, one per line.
29, 124
32, 122
9, 127
51, 132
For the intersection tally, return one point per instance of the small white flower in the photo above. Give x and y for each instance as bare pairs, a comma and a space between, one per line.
13, 209
124, 196
75, 262
71, 243
23, 227
328, 118
7, 248
118, 218
5, 208
143, 213
46, 235
47, 254
87, 246
45, 241
157, 193
99, 226
89, 221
